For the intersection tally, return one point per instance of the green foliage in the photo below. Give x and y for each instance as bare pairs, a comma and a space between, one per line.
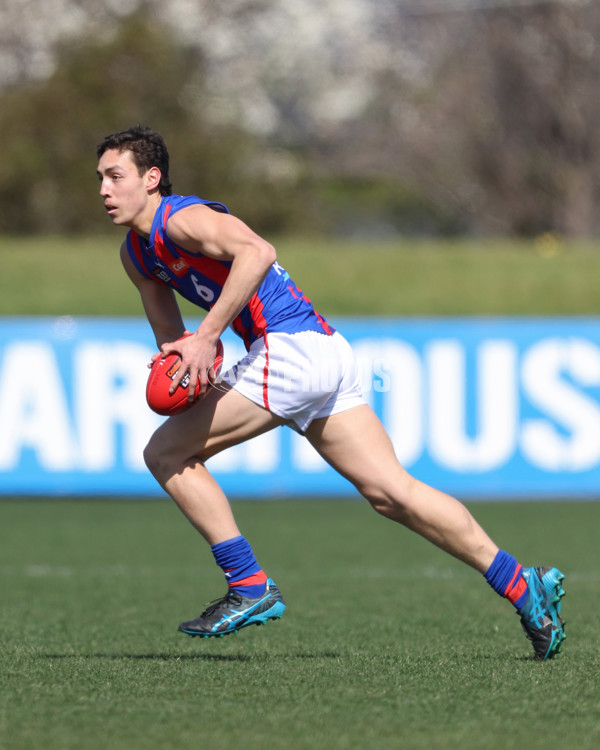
142, 74
478, 123
386, 643
101, 86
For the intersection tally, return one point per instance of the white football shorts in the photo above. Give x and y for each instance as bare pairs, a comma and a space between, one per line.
299, 376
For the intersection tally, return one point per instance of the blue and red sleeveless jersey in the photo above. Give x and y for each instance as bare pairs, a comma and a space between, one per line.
277, 306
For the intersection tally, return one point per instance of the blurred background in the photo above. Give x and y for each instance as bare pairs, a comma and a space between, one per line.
349, 117
435, 159
428, 172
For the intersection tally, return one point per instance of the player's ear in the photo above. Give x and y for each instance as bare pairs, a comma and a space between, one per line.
153, 178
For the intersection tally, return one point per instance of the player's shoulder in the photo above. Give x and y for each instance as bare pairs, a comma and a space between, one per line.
194, 220
173, 204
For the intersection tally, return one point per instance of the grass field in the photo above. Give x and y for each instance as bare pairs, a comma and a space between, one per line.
387, 642
66, 276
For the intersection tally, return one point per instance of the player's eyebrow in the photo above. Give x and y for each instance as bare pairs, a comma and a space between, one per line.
108, 169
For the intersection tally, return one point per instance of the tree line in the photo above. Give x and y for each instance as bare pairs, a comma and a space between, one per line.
496, 134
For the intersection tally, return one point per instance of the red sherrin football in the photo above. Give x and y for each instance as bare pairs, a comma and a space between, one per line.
161, 378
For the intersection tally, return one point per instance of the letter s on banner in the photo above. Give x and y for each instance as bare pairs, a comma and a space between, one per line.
552, 370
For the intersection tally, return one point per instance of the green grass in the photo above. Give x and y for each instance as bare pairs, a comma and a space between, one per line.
387, 642
405, 277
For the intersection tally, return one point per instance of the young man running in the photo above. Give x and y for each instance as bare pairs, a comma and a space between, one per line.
198, 249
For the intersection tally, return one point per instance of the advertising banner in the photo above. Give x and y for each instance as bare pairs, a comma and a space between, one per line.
482, 408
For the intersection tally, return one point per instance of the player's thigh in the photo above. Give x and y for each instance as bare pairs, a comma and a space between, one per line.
357, 445
222, 419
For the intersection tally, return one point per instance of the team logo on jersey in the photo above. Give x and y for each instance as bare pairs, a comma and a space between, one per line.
179, 267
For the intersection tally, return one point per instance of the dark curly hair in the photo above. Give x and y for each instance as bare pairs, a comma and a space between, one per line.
148, 149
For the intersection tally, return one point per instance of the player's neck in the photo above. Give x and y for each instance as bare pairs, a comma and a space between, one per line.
142, 224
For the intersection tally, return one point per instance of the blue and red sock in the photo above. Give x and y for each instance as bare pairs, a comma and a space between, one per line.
505, 576
236, 559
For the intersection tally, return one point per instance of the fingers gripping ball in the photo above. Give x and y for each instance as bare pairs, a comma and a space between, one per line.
161, 378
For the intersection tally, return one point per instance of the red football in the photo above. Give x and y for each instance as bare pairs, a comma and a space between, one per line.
161, 378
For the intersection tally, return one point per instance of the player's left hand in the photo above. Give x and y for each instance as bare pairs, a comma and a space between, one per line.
197, 357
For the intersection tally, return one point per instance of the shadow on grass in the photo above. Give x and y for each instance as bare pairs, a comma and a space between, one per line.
194, 657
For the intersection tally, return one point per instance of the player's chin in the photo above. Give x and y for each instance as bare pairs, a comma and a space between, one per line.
116, 217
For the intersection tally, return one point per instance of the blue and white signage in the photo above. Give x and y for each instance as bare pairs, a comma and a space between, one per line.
482, 408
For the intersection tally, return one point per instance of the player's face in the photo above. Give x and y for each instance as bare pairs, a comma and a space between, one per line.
122, 189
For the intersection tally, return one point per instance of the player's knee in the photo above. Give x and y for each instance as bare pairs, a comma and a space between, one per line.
165, 457
381, 502
376, 494
152, 456
393, 500
158, 457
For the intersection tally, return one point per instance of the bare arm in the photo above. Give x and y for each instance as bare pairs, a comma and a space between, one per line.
200, 229
159, 303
